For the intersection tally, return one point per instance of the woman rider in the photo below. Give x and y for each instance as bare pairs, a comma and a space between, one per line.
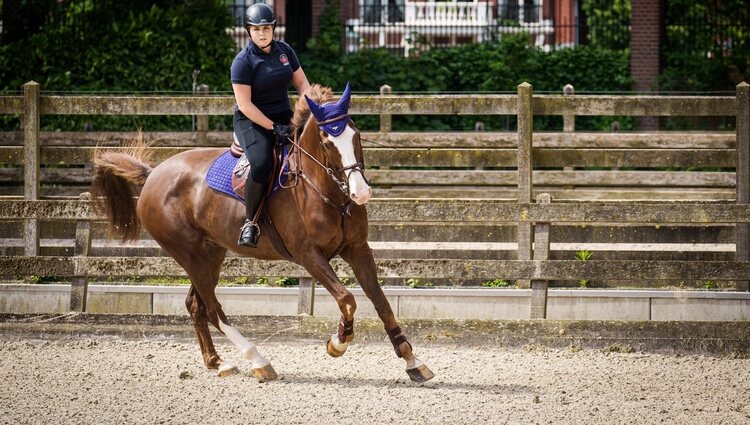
261, 73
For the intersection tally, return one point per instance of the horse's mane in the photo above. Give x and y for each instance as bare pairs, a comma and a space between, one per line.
316, 92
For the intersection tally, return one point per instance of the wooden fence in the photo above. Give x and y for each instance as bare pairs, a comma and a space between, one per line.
448, 206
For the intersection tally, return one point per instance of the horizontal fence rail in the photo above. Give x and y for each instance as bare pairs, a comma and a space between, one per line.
426, 268
461, 211
450, 157
390, 104
486, 194
469, 140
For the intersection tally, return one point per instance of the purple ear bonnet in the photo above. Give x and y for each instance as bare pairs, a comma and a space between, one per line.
332, 117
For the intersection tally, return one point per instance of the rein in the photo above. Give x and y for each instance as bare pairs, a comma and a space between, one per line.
343, 185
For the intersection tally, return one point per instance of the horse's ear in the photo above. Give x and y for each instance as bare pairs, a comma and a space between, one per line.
345, 98
316, 109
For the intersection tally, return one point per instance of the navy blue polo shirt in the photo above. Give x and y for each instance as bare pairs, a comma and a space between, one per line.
268, 74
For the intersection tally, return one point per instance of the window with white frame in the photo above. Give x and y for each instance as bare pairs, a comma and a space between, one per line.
521, 11
381, 11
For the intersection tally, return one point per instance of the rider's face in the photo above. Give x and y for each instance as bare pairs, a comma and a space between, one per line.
261, 35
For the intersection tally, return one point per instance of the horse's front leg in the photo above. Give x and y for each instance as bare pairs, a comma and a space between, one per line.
362, 262
322, 271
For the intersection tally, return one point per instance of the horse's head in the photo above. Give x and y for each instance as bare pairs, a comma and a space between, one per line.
339, 132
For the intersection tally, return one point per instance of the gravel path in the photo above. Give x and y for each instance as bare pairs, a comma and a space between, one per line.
151, 381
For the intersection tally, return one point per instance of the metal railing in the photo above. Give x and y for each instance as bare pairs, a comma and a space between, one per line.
420, 25
408, 25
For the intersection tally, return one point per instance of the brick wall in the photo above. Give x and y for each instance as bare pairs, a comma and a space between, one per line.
645, 37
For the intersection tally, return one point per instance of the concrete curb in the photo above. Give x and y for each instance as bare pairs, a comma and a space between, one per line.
425, 303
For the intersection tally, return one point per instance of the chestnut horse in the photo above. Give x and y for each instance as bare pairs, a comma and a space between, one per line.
322, 216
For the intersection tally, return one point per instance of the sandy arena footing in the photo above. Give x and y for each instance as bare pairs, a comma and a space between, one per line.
74, 377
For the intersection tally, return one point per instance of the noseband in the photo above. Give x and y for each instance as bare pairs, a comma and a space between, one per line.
334, 173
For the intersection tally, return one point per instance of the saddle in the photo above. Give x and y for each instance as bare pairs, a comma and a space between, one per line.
286, 167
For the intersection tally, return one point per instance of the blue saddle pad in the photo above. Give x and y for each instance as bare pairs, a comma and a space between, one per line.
219, 176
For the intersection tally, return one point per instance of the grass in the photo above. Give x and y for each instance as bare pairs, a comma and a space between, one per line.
416, 283
496, 283
583, 255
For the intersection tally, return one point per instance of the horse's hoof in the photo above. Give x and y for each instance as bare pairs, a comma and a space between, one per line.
227, 370
265, 373
334, 351
420, 373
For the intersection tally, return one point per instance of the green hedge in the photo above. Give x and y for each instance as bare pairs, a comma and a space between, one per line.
125, 49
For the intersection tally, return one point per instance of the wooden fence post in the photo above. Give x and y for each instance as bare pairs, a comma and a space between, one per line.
541, 252
385, 119
742, 173
569, 121
525, 231
31, 163
79, 286
569, 124
201, 121
306, 302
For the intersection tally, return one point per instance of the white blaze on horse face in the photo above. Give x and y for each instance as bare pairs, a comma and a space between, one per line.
359, 190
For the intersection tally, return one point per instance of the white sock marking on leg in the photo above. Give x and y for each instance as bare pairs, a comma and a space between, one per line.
226, 367
338, 345
414, 362
248, 350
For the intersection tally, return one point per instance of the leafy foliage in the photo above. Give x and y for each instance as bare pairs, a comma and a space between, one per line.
583, 255
496, 283
608, 22
417, 283
327, 45
124, 49
285, 281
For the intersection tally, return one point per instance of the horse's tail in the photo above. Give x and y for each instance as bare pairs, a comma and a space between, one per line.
117, 176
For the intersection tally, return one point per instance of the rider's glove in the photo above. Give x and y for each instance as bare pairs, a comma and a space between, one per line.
283, 131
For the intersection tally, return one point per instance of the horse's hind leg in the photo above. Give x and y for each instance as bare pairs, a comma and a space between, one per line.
261, 368
362, 262
197, 311
202, 262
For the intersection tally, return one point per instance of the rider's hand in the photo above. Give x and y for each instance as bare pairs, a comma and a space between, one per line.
283, 131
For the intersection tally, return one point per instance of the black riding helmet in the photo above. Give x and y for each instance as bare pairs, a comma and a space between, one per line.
260, 14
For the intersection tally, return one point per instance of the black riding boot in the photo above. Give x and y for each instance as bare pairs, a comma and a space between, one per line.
250, 232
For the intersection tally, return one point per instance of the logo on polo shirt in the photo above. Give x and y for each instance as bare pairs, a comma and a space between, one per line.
283, 59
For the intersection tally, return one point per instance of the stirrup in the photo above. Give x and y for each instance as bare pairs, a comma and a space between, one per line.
249, 234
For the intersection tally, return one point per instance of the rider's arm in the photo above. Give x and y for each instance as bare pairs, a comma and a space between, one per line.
299, 81
243, 96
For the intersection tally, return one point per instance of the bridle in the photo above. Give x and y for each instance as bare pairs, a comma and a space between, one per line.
334, 174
